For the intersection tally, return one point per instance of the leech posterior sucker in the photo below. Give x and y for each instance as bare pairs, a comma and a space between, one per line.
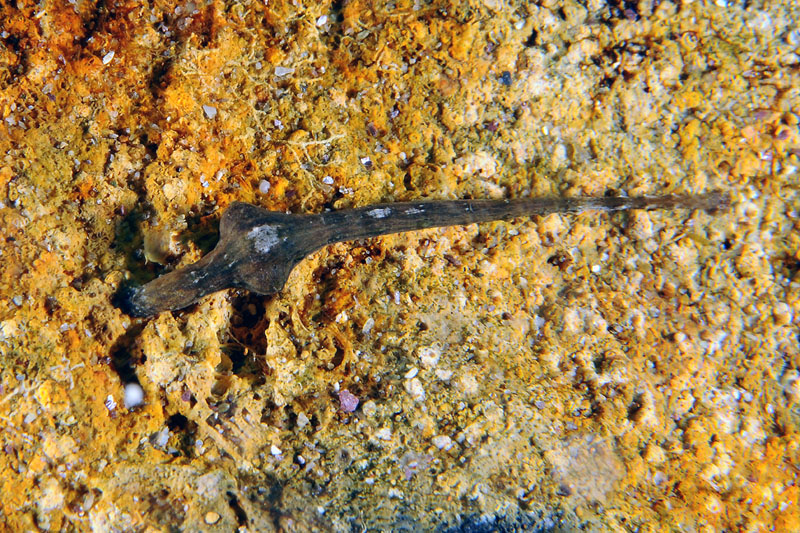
257, 248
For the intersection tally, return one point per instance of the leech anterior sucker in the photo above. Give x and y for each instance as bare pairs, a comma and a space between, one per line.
257, 248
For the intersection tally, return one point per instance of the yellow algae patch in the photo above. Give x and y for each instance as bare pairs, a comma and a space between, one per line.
689, 139
463, 40
180, 101
52, 396
688, 99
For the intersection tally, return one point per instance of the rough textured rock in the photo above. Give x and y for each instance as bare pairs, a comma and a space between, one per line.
499, 368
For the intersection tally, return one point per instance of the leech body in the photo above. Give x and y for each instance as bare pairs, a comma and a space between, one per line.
257, 248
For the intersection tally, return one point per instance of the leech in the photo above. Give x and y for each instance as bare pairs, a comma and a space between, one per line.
257, 248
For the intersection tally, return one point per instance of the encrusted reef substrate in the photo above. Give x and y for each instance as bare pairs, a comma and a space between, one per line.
596, 372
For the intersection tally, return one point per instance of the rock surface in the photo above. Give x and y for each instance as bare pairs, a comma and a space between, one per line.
599, 372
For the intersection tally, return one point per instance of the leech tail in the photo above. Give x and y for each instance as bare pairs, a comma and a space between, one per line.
384, 219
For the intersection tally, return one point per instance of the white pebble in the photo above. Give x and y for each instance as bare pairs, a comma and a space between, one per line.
414, 389
384, 434
395, 494
369, 409
302, 420
108, 57
368, 326
274, 450
443, 374
322, 20
263, 186
428, 356
210, 111
134, 395
327, 180
162, 437
412, 373
443, 442
283, 71
110, 403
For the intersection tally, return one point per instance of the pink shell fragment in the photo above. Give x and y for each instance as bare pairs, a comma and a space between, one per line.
347, 401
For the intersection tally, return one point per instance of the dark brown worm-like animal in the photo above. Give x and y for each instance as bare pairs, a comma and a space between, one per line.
257, 248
